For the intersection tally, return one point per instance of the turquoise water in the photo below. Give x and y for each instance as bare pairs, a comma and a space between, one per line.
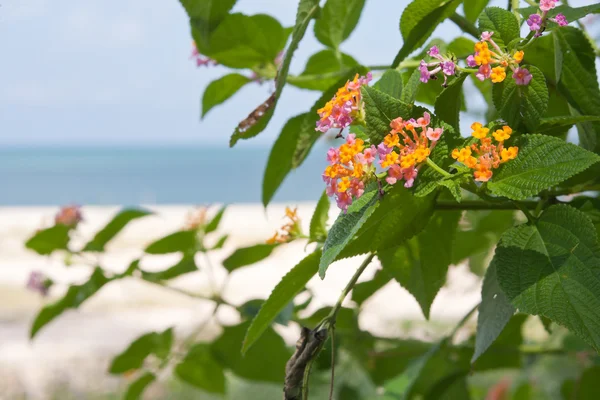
151, 175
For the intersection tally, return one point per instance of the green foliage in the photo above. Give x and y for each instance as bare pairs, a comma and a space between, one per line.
318, 222
543, 162
200, 369
362, 291
473, 8
138, 386
572, 14
522, 104
205, 16
181, 241
47, 241
220, 90
419, 19
381, 109
550, 268
337, 21
285, 291
447, 104
184, 266
132, 358
248, 255
503, 23
213, 224
113, 228
319, 73
390, 83
74, 297
421, 264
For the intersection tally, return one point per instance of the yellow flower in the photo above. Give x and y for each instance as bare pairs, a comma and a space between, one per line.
518, 56
502, 134
483, 173
498, 74
391, 140
390, 159
421, 153
462, 154
408, 161
479, 131
470, 162
509, 154
344, 184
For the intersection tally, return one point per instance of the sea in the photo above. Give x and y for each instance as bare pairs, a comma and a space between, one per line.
93, 175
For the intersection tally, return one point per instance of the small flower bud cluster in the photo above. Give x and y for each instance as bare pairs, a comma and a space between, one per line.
201, 61
442, 64
290, 230
537, 22
69, 216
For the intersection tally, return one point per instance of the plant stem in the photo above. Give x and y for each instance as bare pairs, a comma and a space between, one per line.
513, 6
433, 165
482, 205
525, 211
334, 311
464, 24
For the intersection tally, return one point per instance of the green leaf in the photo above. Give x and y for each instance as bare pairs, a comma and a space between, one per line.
337, 21
494, 313
522, 104
390, 83
586, 387
220, 243
400, 387
270, 346
380, 110
571, 13
111, 229
504, 352
567, 121
363, 290
46, 241
418, 21
447, 104
201, 370
186, 265
321, 68
552, 268
181, 241
318, 222
134, 355
285, 291
74, 297
251, 308
411, 87
503, 23
473, 8
205, 16
462, 47
219, 90
307, 10
137, 387
543, 162
421, 265
215, 221
248, 255
345, 227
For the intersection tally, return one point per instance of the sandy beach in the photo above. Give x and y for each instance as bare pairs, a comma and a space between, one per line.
123, 310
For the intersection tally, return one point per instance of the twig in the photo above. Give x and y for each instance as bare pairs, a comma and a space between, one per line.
463, 320
464, 24
332, 333
334, 311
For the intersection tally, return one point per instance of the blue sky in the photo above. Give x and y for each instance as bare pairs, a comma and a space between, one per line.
118, 72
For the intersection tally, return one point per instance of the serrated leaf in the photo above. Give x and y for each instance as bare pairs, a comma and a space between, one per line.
504, 352
473, 8
318, 222
380, 110
447, 104
264, 362
552, 268
494, 313
181, 241
134, 355
251, 308
219, 90
319, 73
421, 264
503, 23
345, 227
75, 296
111, 229
337, 21
205, 16
558, 58
418, 21
248, 255
519, 104
307, 10
186, 265
46, 241
137, 387
285, 291
390, 83
201, 370
363, 290
411, 87
567, 121
215, 221
542, 162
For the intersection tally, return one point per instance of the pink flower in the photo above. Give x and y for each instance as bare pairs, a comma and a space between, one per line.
344, 200
547, 5
383, 150
424, 72
434, 51
535, 22
424, 120
38, 282
485, 36
471, 61
409, 175
448, 67
522, 76
394, 174
369, 154
357, 188
69, 216
333, 156
434, 134
331, 188
561, 20
484, 72
351, 139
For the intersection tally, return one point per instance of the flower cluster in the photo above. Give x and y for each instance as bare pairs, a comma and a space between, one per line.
200, 59
493, 62
537, 22
440, 64
290, 230
345, 107
408, 144
485, 156
69, 216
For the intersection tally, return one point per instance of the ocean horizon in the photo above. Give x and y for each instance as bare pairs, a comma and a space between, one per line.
148, 174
